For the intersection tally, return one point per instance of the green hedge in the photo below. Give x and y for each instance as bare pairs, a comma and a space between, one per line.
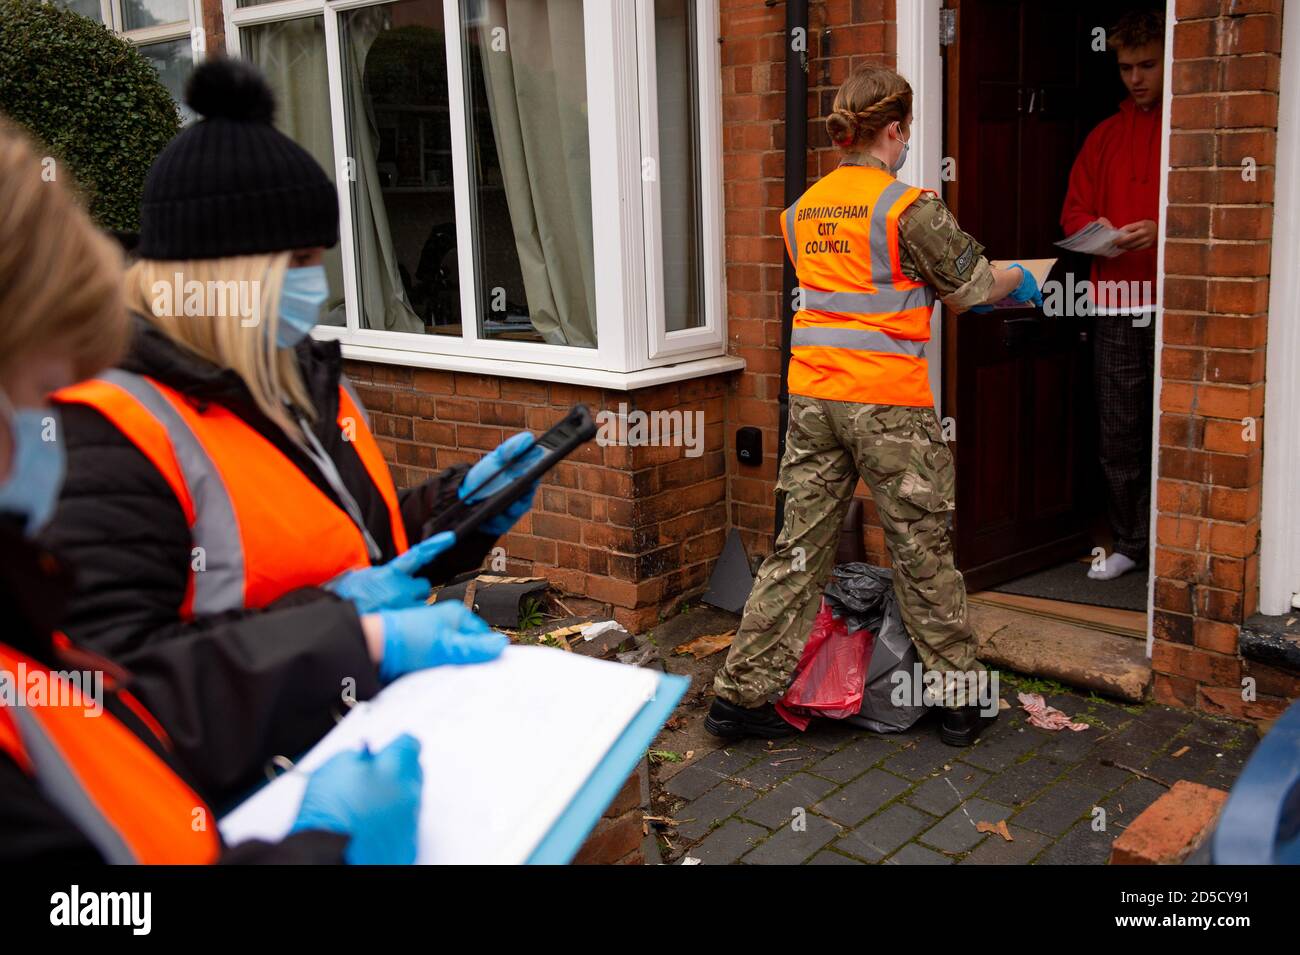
95, 103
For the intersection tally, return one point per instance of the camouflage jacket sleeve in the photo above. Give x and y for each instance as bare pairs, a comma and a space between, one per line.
935, 250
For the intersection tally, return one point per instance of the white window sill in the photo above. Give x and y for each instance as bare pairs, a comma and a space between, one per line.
540, 371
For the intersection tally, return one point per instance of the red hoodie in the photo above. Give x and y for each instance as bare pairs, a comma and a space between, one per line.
1116, 175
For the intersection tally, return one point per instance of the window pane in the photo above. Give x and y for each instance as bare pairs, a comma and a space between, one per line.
151, 13
530, 170
399, 131
87, 8
679, 164
173, 60
292, 55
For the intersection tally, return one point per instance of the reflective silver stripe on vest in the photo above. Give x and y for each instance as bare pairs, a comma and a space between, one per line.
346, 382
887, 300
882, 266
859, 339
220, 585
59, 782
789, 231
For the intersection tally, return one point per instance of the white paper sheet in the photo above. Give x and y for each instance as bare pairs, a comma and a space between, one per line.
506, 746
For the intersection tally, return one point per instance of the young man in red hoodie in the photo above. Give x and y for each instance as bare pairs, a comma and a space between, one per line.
1116, 179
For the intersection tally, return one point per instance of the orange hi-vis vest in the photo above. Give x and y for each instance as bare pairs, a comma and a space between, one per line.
260, 527
122, 796
860, 324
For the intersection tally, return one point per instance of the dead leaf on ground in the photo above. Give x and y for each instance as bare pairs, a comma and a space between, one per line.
674, 723
999, 827
707, 645
562, 632
665, 821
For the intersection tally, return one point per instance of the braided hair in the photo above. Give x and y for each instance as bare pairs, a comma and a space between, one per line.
868, 101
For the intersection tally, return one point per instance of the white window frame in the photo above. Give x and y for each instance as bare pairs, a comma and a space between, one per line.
115, 20
632, 347
112, 18
1279, 545
708, 82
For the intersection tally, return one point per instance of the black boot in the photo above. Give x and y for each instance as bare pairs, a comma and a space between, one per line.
963, 724
733, 722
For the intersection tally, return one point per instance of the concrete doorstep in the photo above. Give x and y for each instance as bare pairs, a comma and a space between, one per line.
1109, 664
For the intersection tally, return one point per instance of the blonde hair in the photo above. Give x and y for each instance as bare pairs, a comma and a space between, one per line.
226, 311
60, 277
868, 101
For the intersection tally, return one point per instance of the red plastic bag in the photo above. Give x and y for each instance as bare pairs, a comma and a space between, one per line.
831, 674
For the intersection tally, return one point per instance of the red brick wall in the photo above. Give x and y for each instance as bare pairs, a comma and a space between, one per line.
214, 27
635, 527
753, 140
617, 838
1217, 249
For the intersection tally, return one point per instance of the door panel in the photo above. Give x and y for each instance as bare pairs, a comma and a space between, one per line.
1025, 89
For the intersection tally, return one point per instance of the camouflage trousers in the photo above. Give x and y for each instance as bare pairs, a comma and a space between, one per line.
901, 455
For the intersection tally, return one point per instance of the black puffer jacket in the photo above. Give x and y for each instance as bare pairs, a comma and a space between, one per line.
33, 590
120, 527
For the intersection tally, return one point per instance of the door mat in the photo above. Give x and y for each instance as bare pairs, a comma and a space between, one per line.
1071, 582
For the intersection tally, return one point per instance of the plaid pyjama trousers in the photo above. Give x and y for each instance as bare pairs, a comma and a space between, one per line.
1123, 369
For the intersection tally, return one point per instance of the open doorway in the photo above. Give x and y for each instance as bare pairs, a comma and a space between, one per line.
1023, 86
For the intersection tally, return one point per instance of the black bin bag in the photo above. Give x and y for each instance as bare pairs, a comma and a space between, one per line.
863, 596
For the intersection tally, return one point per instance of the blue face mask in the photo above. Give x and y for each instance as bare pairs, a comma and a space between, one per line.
36, 466
302, 296
902, 158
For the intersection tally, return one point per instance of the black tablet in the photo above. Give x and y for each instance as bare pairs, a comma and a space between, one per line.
574, 429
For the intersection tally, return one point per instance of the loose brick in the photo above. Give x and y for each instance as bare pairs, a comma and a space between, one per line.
1171, 828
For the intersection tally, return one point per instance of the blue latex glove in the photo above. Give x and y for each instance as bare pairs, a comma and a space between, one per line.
374, 798
1027, 290
392, 585
421, 637
474, 488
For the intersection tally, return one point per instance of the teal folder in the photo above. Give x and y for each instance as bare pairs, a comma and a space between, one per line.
561, 844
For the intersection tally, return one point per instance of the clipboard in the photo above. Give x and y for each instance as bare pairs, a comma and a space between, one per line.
576, 757
566, 837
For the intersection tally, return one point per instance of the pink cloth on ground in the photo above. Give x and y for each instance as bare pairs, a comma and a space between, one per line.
1044, 716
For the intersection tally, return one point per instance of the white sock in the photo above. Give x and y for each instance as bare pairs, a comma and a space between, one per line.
1112, 566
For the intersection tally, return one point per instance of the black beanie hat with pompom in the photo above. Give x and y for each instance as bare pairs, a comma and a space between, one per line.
233, 184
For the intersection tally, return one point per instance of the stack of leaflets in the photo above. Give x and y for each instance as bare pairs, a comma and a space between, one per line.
1094, 239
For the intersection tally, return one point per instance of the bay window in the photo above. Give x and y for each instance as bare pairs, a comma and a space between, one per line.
526, 187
